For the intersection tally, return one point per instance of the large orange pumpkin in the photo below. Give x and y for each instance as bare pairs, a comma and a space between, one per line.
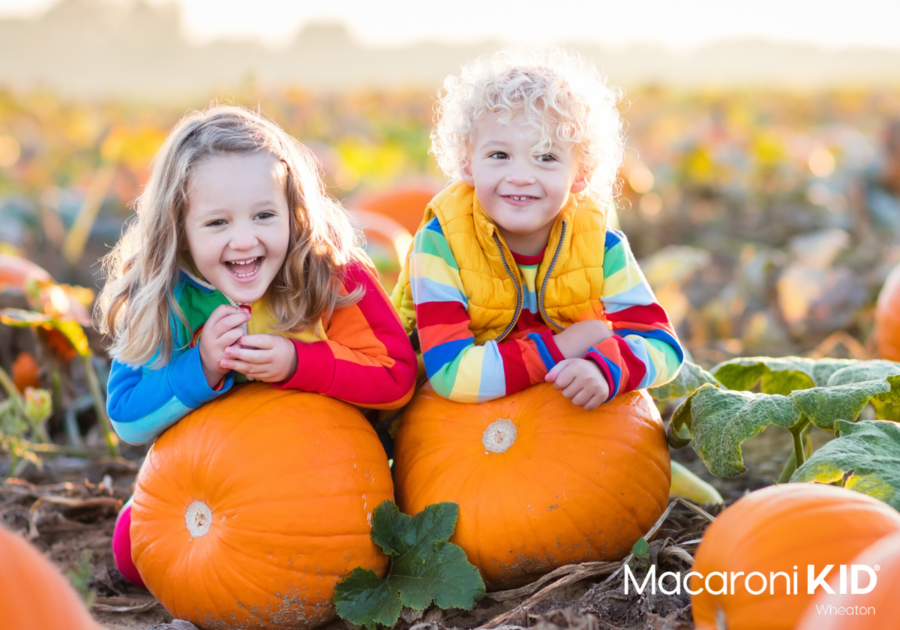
33, 594
875, 610
887, 318
775, 530
249, 510
540, 483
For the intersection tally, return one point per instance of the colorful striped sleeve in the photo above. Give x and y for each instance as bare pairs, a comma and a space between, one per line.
644, 351
458, 368
367, 359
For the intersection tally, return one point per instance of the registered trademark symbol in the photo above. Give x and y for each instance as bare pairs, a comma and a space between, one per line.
878, 567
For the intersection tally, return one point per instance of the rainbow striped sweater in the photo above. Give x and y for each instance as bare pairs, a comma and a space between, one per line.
643, 351
363, 357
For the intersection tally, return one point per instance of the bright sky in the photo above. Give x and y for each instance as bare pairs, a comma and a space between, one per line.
678, 24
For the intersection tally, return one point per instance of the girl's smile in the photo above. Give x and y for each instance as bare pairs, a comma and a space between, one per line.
238, 223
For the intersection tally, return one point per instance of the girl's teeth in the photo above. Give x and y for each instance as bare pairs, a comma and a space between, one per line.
244, 263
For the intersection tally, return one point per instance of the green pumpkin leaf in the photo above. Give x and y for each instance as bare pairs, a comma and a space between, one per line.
778, 375
825, 405
862, 458
688, 380
722, 420
641, 548
425, 567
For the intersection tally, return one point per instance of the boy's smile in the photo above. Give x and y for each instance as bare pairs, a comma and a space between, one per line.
238, 223
521, 190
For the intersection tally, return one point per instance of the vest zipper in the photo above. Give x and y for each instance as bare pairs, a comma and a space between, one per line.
546, 317
519, 298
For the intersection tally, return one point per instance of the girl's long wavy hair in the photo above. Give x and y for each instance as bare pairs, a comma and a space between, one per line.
136, 304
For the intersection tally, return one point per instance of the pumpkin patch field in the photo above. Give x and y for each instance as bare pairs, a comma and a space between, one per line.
761, 220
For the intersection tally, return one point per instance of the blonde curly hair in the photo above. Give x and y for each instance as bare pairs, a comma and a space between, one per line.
561, 94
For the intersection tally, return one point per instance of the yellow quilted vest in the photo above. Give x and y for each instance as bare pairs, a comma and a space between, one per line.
569, 279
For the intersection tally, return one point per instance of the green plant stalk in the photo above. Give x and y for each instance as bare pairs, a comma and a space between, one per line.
802, 447
12, 392
112, 442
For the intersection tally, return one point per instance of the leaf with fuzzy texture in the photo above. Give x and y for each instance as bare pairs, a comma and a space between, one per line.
722, 420
425, 567
862, 458
780, 375
688, 380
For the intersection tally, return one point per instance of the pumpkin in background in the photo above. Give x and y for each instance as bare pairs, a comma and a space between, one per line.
540, 483
33, 593
250, 509
887, 318
884, 554
773, 530
26, 372
404, 204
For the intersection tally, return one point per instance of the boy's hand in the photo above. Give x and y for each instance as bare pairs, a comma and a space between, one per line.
221, 330
581, 381
575, 341
269, 358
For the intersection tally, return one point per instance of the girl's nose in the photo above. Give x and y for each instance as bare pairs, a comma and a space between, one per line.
243, 238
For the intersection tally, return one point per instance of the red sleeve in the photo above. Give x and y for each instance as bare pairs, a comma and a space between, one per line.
367, 359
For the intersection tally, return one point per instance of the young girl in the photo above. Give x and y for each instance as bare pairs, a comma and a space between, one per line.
239, 266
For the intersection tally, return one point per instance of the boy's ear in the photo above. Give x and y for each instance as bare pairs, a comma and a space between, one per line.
465, 171
581, 182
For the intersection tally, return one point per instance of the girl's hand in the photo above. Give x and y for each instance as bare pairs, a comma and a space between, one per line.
221, 330
269, 358
581, 381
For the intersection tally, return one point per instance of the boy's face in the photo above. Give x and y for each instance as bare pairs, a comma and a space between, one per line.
520, 190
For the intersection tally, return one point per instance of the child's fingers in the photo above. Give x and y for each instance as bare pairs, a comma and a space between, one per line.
564, 378
594, 402
263, 342
230, 337
582, 397
229, 322
247, 355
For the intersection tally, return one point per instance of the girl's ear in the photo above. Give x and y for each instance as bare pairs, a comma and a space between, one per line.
581, 182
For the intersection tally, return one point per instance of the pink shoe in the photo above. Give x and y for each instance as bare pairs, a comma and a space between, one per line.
121, 544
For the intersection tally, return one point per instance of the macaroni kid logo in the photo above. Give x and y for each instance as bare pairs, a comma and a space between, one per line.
855, 579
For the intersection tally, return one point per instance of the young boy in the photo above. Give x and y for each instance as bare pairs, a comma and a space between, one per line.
514, 278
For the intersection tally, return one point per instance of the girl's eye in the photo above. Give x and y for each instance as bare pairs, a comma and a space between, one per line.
498, 155
265, 215
547, 157
216, 223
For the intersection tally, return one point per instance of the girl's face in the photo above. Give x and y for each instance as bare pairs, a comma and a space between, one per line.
238, 223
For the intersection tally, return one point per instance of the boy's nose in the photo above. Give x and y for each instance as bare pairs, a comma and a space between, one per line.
520, 177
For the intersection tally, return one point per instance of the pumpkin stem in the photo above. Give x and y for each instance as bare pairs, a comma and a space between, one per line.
499, 436
198, 518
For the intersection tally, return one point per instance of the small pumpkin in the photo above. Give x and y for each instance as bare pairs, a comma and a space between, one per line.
887, 318
249, 510
26, 372
540, 483
876, 610
33, 593
774, 530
